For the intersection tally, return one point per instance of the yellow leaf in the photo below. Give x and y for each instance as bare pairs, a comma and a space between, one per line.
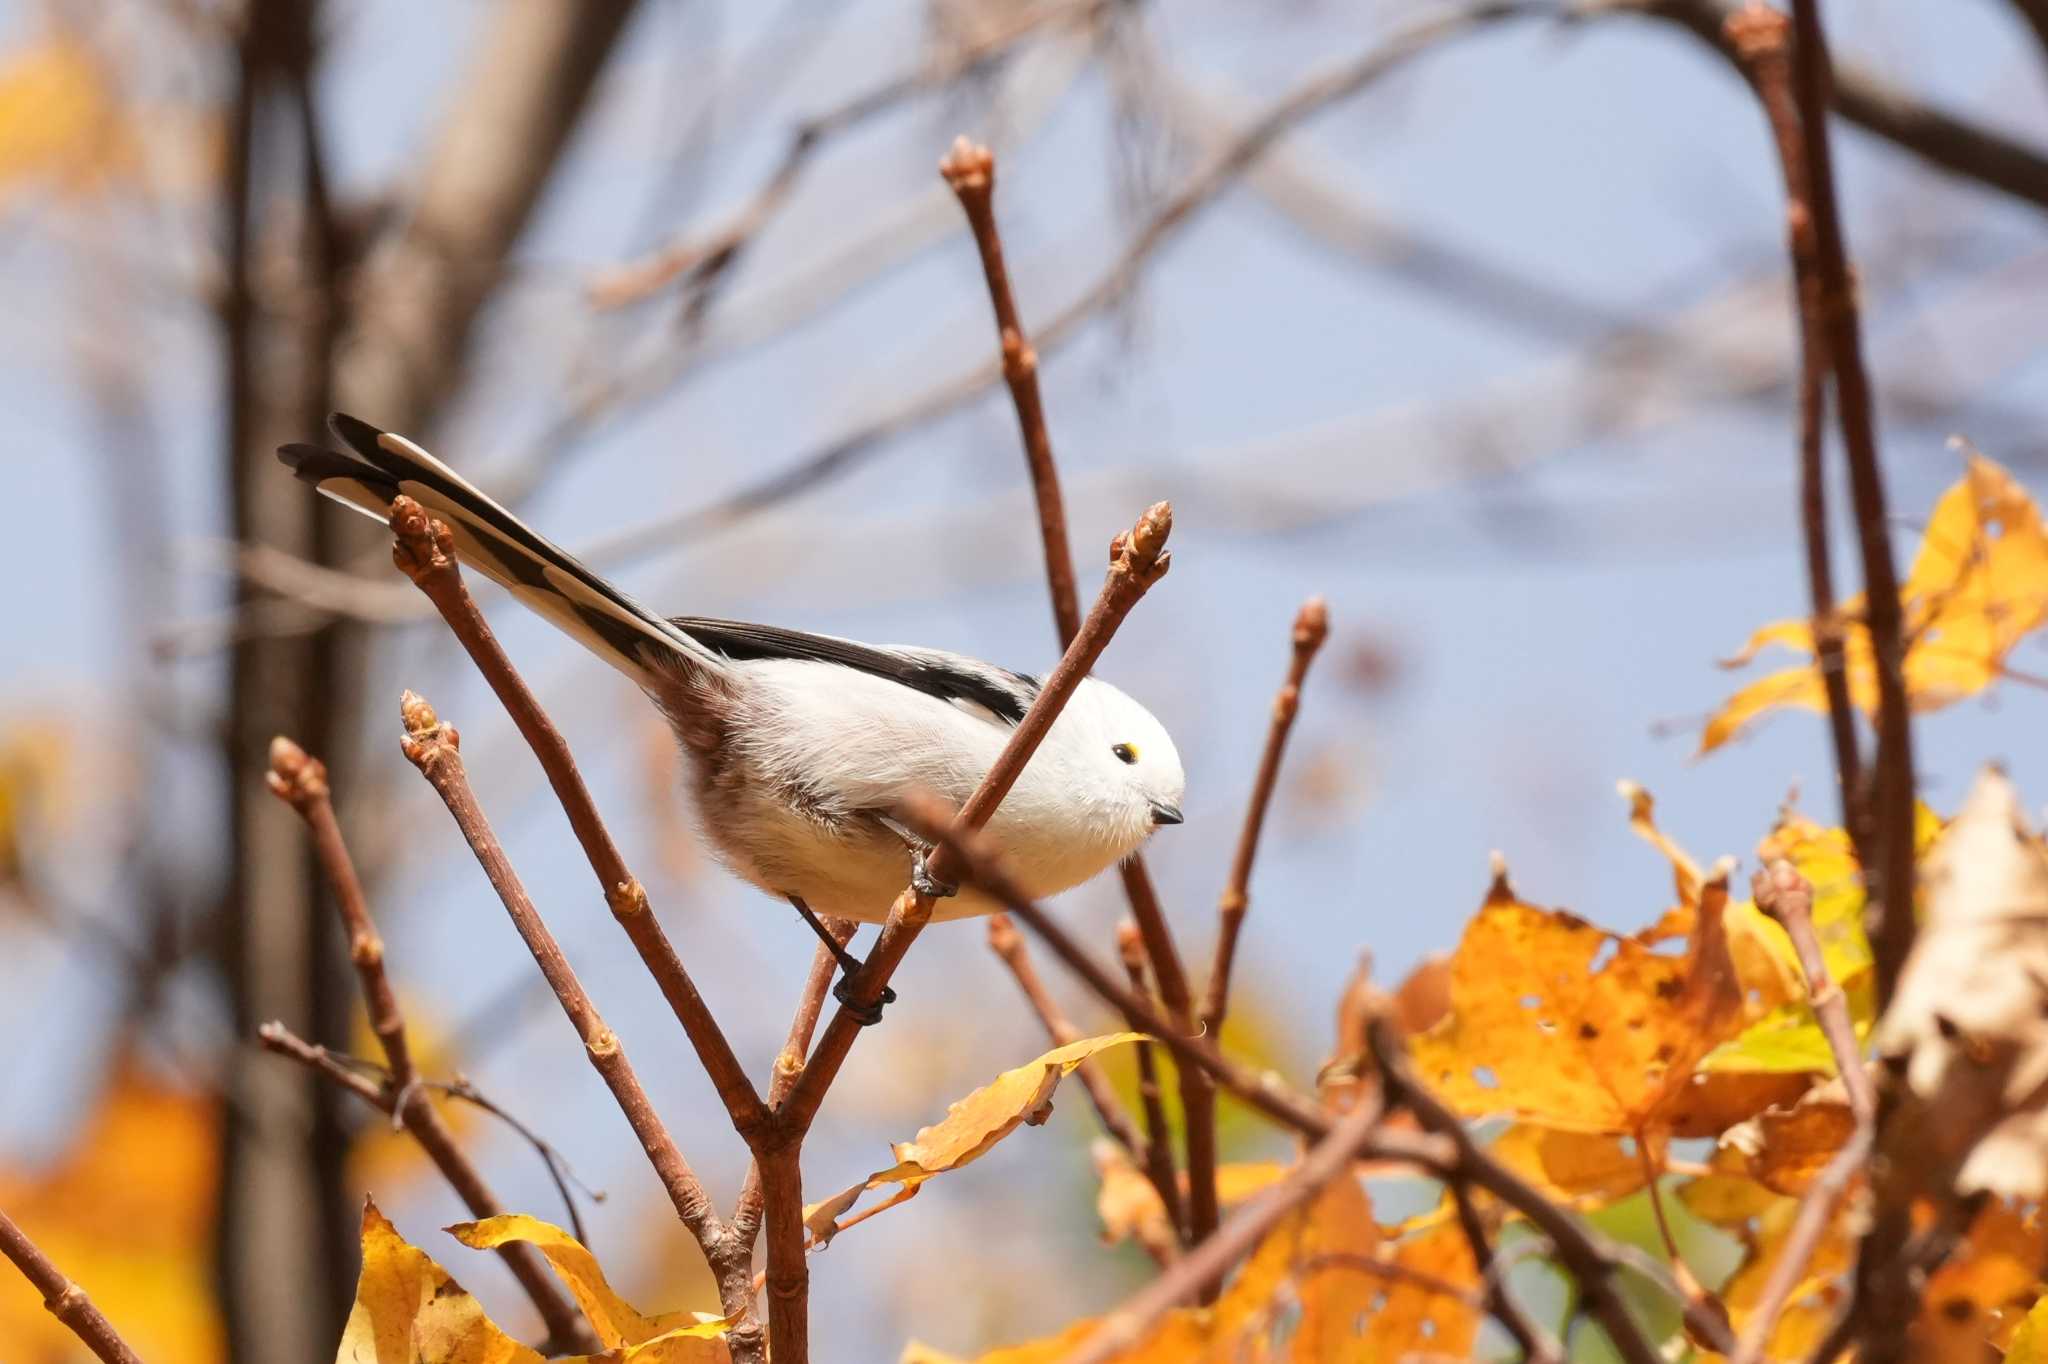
1537, 1031
1978, 586
61, 120
970, 1127
1765, 963
615, 1320
1126, 1201
127, 1212
409, 1311
2030, 1344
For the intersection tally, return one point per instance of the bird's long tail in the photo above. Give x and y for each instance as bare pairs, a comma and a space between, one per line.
379, 466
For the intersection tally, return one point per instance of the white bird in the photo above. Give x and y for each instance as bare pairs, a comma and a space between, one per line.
798, 746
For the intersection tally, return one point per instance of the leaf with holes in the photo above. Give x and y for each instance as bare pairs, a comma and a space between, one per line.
1558, 1023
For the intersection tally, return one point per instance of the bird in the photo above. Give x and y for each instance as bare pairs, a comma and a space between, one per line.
798, 748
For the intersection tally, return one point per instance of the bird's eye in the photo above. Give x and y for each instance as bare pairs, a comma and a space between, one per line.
1127, 753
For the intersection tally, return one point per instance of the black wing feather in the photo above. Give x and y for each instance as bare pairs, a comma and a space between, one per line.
998, 690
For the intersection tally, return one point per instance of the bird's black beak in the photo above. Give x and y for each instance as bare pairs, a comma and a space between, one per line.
1162, 813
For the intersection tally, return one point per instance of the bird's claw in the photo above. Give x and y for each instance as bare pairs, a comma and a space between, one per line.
867, 1015
923, 882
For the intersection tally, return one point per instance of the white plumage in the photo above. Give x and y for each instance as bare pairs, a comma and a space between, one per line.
799, 746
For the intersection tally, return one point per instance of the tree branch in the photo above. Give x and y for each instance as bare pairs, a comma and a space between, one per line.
67, 1302
1536, 1343
1758, 39
1592, 1260
1887, 857
424, 551
971, 171
1158, 1133
1942, 140
300, 780
434, 748
1198, 1273
1785, 895
1007, 943
1311, 628
1138, 559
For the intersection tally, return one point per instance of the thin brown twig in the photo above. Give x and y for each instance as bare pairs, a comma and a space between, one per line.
789, 1064
1311, 628
1138, 559
1158, 1133
1537, 1345
1264, 1091
971, 171
1007, 943
1944, 141
66, 1301
1816, 1212
1197, 1090
1886, 853
1890, 861
701, 260
434, 748
424, 552
300, 781
848, 450
1786, 896
1759, 41
1197, 1273
1593, 1262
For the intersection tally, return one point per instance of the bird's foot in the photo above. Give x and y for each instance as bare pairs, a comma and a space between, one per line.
867, 1015
923, 882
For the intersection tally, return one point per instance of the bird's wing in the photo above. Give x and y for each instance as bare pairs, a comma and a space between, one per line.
381, 465
997, 693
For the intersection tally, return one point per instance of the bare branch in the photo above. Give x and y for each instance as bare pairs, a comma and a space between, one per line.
1941, 139
434, 748
1592, 1260
700, 261
1006, 942
300, 780
424, 551
1311, 628
1159, 1167
971, 171
1786, 896
1138, 559
1759, 39
66, 1300
1537, 1345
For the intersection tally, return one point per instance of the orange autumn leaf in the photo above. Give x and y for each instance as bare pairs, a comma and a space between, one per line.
1579, 1169
1787, 1147
1543, 1030
1978, 586
970, 1127
1409, 1317
127, 1212
1977, 1300
1298, 1298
